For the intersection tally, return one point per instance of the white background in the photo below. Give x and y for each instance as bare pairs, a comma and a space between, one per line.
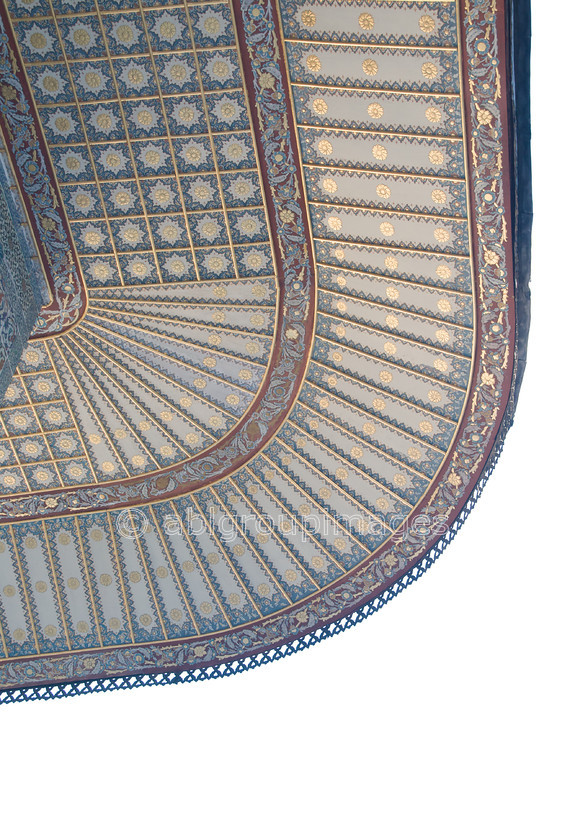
437, 718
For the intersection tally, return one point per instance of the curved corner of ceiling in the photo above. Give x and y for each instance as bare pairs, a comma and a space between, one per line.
279, 255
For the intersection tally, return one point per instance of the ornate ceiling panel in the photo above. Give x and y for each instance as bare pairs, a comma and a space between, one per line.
281, 334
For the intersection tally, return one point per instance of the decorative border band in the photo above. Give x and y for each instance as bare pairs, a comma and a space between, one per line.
30, 160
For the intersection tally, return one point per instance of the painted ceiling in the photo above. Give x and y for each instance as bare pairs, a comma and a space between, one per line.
278, 340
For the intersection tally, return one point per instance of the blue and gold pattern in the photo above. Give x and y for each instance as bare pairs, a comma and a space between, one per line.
173, 235
127, 122
118, 99
201, 249
106, 84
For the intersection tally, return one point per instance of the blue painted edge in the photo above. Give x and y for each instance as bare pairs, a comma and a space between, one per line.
518, 57
519, 54
23, 305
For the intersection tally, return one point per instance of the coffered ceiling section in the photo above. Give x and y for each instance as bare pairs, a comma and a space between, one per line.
146, 117
146, 120
267, 306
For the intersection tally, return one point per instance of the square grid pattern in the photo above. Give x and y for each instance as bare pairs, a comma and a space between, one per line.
145, 114
39, 445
